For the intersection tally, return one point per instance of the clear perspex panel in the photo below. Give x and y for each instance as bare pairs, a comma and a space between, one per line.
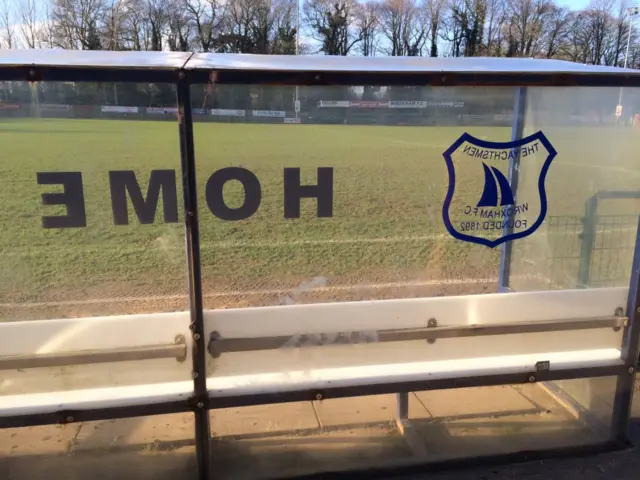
309, 218
588, 238
93, 284
592, 189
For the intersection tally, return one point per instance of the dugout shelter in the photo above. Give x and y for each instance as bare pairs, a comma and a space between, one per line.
317, 299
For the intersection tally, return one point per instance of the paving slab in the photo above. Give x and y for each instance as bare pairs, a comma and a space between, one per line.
283, 440
142, 432
263, 419
42, 440
475, 401
364, 410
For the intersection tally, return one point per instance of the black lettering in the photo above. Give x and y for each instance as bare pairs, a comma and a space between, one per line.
215, 195
122, 181
72, 198
293, 192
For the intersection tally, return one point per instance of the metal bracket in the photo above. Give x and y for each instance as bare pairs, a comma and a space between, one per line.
214, 345
619, 313
432, 323
544, 366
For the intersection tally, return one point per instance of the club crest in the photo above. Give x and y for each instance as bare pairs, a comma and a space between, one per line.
482, 206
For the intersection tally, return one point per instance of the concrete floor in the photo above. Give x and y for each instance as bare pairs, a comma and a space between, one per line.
303, 438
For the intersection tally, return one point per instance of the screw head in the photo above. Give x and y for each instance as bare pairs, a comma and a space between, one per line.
196, 336
194, 374
69, 418
631, 369
200, 404
319, 396
532, 379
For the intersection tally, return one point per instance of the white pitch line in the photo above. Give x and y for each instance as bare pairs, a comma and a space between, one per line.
336, 241
240, 293
601, 167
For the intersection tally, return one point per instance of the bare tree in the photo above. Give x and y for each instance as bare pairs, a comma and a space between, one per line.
115, 21
179, 33
435, 10
284, 40
158, 13
465, 29
557, 28
367, 25
578, 44
30, 31
207, 17
135, 26
599, 24
7, 34
495, 19
330, 23
403, 24
618, 34
76, 24
526, 26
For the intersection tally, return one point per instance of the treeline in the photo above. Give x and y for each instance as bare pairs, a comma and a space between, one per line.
430, 28
511, 28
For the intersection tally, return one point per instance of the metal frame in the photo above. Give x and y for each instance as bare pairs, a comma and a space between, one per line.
517, 132
192, 234
625, 384
200, 403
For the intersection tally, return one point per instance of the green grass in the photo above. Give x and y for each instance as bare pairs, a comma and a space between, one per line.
390, 183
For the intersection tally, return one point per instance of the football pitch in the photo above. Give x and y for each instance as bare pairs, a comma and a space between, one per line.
386, 237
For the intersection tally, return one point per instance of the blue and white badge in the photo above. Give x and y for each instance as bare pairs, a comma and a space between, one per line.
481, 206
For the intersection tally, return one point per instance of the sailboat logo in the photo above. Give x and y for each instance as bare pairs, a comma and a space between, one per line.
495, 211
490, 193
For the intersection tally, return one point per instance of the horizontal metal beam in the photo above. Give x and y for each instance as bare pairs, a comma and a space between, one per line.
70, 416
177, 350
63, 417
472, 381
219, 344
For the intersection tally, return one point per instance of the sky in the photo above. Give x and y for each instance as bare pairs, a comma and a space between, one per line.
573, 4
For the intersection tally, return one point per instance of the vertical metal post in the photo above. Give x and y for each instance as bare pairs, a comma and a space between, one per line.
297, 52
402, 405
587, 241
626, 380
192, 234
517, 131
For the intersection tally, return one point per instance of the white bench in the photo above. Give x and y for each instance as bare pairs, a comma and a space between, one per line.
259, 374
